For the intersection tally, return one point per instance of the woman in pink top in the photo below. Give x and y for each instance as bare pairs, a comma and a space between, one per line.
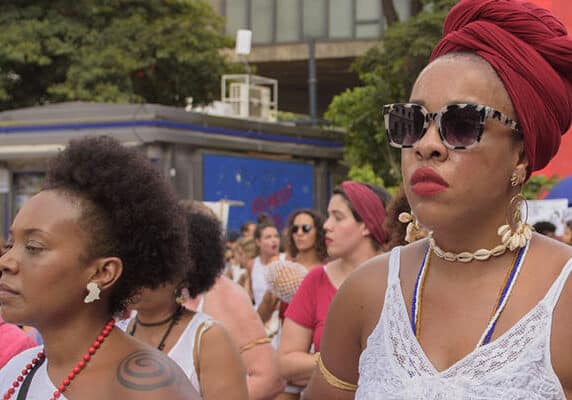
13, 340
354, 234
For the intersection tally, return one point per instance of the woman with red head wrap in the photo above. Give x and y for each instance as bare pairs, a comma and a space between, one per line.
354, 233
479, 309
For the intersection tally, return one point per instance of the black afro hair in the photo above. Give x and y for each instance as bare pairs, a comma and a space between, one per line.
128, 210
206, 246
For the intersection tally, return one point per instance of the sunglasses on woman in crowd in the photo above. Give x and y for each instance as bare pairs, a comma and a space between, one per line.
460, 126
306, 228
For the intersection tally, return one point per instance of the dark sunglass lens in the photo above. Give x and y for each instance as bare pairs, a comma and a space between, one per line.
405, 124
306, 228
461, 126
294, 229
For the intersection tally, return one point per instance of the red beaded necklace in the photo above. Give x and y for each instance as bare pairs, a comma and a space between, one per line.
75, 371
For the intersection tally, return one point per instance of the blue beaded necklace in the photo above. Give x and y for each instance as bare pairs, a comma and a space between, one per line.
416, 301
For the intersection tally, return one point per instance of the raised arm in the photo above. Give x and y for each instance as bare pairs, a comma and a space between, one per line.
268, 305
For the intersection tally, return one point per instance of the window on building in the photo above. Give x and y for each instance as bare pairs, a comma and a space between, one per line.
288, 21
282, 21
368, 19
341, 19
262, 17
236, 13
314, 18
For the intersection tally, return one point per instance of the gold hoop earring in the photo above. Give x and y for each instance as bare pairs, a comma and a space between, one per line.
516, 232
517, 178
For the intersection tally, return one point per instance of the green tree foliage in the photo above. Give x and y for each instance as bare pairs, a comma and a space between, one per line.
537, 185
365, 174
387, 73
158, 51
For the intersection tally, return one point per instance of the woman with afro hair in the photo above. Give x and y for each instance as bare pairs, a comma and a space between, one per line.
228, 303
199, 345
104, 226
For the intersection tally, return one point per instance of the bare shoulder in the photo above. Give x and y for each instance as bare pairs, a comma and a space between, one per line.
551, 257
230, 304
228, 287
548, 257
216, 333
145, 373
360, 298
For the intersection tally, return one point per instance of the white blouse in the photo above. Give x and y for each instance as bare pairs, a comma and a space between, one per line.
516, 365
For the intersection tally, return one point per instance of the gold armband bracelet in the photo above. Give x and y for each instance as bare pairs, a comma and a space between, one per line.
332, 380
254, 343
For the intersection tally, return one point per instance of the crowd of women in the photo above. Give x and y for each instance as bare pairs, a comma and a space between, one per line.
133, 298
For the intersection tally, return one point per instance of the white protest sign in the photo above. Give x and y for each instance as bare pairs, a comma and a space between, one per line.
221, 209
553, 211
568, 215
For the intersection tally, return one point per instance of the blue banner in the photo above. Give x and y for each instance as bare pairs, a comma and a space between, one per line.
273, 187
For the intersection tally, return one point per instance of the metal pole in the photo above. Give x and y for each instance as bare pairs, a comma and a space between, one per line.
312, 81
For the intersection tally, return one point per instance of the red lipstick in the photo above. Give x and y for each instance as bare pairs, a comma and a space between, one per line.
426, 182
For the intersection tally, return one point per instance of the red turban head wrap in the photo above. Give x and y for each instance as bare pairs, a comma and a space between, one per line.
369, 207
532, 54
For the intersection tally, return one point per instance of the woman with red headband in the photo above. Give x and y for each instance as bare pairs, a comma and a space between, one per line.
354, 234
479, 309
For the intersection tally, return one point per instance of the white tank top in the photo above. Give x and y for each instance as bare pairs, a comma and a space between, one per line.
258, 279
182, 351
514, 366
259, 285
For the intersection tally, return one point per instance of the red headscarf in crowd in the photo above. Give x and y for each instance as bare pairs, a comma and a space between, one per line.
532, 54
369, 207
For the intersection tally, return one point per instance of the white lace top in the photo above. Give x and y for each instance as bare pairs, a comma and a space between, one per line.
516, 365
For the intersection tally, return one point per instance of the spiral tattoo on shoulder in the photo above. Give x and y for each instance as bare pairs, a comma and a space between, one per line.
143, 370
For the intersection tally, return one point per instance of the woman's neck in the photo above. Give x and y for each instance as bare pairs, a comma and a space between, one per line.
66, 341
267, 258
159, 312
345, 265
308, 258
356, 258
469, 236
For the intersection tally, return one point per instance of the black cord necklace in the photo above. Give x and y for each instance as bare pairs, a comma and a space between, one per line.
173, 319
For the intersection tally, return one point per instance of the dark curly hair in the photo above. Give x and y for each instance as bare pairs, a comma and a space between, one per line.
206, 247
380, 192
128, 211
318, 222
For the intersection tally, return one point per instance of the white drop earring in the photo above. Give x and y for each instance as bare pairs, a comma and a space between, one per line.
93, 292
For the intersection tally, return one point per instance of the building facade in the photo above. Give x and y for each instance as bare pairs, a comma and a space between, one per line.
281, 30
268, 167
